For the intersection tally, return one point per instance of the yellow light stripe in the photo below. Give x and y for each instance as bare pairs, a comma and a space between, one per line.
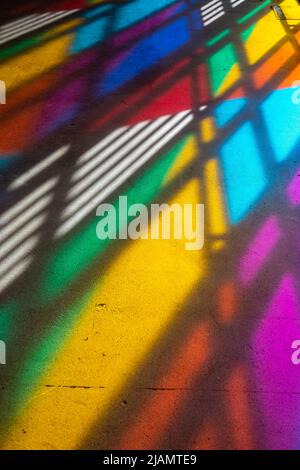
29, 65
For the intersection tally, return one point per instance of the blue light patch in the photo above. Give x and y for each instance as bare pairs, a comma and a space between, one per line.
138, 10
147, 53
106, 20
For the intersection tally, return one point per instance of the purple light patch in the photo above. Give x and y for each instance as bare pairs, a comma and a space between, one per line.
277, 378
62, 106
259, 250
79, 64
294, 189
147, 25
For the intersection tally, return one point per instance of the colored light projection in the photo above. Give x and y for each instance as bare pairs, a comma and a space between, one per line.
142, 344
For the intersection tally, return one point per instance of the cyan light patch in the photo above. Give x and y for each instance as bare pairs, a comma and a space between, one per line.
282, 118
243, 172
137, 11
225, 111
90, 34
108, 20
7, 160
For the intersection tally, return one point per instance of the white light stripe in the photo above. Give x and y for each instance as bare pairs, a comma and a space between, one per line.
116, 157
32, 22
38, 168
14, 273
83, 198
100, 145
78, 216
23, 251
214, 18
26, 24
235, 4
208, 5
11, 24
10, 245
108, 151
211, 9
25, 217
34, 27
27, 201
43, 20
128, 134
213, 13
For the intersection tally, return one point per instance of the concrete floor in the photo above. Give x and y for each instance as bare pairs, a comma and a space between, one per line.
143, 344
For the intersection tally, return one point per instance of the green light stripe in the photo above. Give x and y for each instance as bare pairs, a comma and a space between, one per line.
218, 38
253, 12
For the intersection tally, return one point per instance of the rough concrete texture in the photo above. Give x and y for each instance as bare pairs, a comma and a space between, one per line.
143, 344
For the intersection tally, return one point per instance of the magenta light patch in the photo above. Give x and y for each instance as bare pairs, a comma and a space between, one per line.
261, 247
277, 379
294, 189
